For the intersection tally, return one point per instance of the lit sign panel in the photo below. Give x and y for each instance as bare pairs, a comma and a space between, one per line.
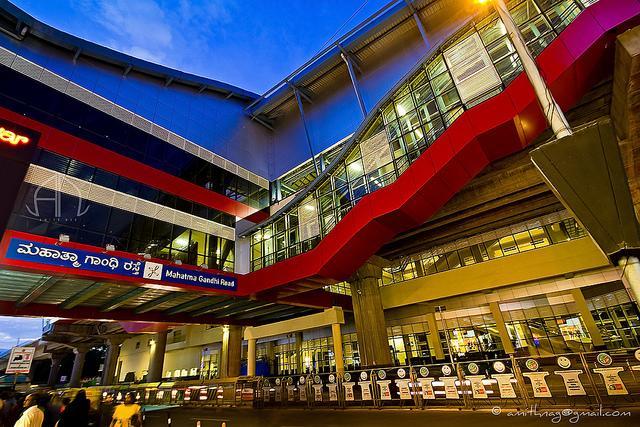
13, 137
82, 260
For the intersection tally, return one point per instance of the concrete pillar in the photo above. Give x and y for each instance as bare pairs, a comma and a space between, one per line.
111, 360
251, 357
631, 269
78, 365
507, 345
435, 345
156, 356
299, 362
373, 342
231, 351
336, 333
54, 372
587, 318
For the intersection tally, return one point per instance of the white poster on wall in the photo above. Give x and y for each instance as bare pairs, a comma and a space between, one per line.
427, 388
538, 383
365, 387
348, 391
308, 222
612, 381
477, 387
450, 389
375, 152
504, 385
572, 382
471, 67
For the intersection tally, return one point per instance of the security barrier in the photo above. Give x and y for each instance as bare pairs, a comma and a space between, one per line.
608, 378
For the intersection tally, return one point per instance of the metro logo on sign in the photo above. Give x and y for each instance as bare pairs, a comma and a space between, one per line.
20, 360
12, 137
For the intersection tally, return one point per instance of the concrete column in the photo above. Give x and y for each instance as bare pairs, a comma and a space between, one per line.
336, 333
631, 269
373, 342
54, 372
435, 345
156, 357
251, 357
231, 351
507, 345
587, 318
78, 365
111, 360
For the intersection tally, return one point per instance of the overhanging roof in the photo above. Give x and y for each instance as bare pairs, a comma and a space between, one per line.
81, 47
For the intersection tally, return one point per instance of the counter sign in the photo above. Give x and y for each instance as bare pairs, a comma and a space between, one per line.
20, 360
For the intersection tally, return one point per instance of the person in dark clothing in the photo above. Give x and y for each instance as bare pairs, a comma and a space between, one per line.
76, 413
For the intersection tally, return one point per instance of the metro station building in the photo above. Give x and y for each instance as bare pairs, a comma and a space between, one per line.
400, 199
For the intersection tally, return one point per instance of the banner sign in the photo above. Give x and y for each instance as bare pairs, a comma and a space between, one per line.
308, 222
477, 388
365, 387
539, 383
375, 152
333, 392
505, 386
266, 393
348, 391
317, 392
403, 387
303, 393
20, 360
450, 389
278, 395
290, 393
427, 388
385, 391
572, 382
98, 262
612, 381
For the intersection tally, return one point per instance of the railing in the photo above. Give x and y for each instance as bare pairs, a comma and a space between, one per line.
605, 379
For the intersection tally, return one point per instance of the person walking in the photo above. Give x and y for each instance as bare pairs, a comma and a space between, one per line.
127, 414
33, 415
76, 413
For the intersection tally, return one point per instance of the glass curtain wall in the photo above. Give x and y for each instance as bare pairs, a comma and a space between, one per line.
409, 122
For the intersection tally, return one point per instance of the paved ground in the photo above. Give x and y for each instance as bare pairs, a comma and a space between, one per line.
186, 417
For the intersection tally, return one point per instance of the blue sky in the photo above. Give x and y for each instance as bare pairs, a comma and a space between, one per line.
249, 43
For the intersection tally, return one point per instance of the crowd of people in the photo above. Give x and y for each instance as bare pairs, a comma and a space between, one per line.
51, 410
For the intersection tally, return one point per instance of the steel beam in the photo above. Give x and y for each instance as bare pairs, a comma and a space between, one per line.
189, 305
264, 311
346, 57
416, 18
123, 299
242, 308
82, 296
148, 306
35, 292
214, 307
297, 94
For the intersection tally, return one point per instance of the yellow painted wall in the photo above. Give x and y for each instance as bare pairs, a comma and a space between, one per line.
555, 260
181, 355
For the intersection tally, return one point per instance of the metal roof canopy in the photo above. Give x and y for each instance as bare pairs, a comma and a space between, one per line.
395, 15
79, 47
42, 295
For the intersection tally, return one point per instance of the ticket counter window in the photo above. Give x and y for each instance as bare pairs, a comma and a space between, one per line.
209, 365
409, 344
471, 338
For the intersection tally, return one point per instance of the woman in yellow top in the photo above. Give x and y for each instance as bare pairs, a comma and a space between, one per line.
127, 414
